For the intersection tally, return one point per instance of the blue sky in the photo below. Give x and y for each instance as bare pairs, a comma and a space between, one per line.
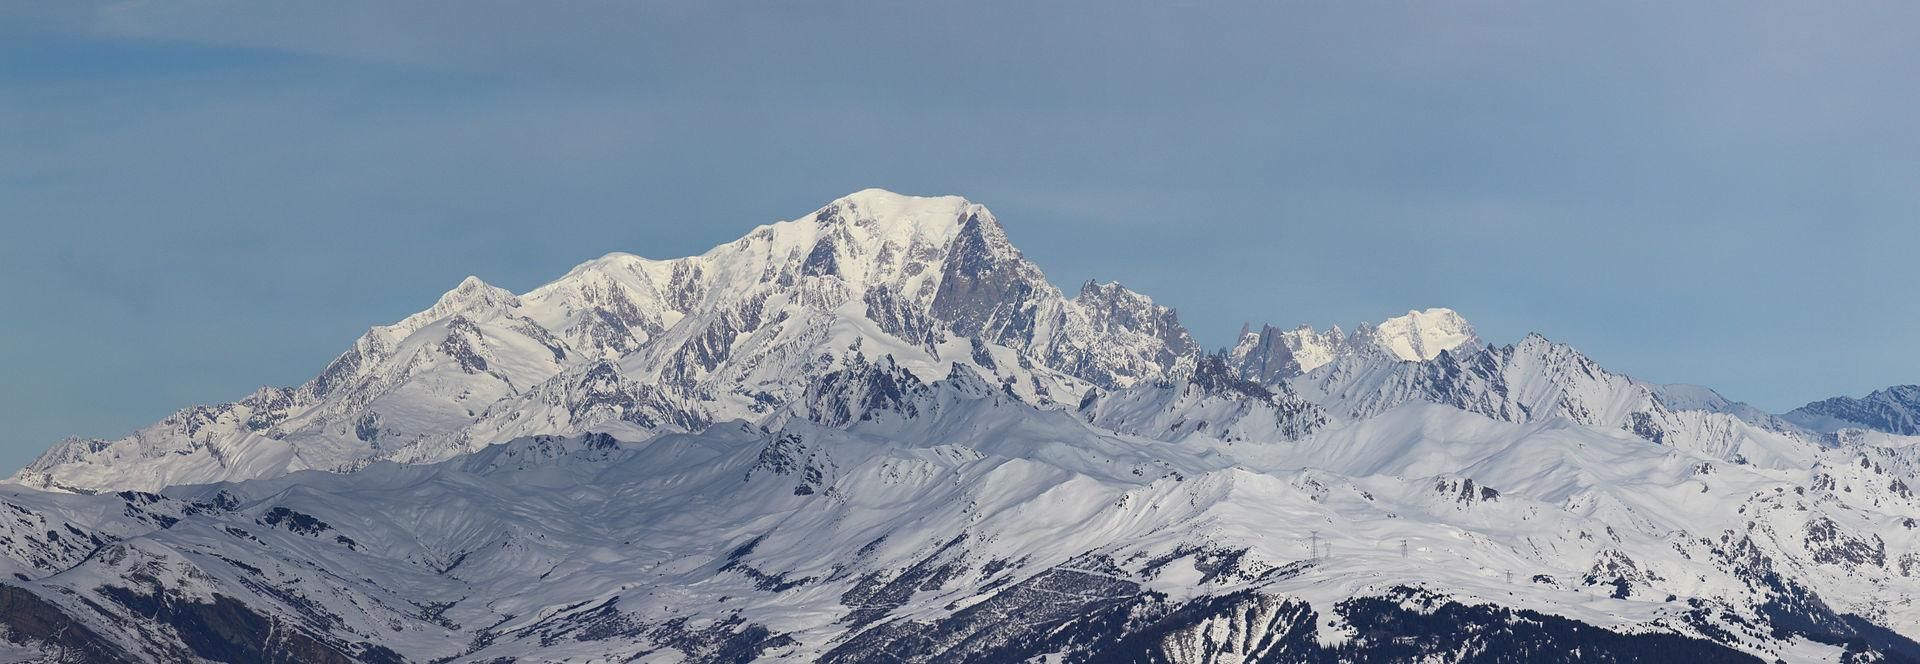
197, 198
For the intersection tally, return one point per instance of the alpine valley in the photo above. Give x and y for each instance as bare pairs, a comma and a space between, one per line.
878, 434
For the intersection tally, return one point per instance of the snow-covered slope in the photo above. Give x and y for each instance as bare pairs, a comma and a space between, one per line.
885, 518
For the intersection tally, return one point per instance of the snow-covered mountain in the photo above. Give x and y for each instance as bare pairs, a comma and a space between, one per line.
634, 347
1537, 379
1274, 354
1894, 410
878, 434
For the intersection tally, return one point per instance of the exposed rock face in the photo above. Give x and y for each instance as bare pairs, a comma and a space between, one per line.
987, 290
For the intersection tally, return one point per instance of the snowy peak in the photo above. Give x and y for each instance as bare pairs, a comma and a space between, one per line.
1113, 305
889, 215
1119, 315
875, 235
872, 238
1419, 336
1275, 354
472, 296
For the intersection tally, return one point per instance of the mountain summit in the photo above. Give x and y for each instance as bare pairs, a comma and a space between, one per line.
1417, 336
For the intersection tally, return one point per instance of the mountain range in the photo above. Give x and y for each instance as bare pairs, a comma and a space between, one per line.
878, 433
